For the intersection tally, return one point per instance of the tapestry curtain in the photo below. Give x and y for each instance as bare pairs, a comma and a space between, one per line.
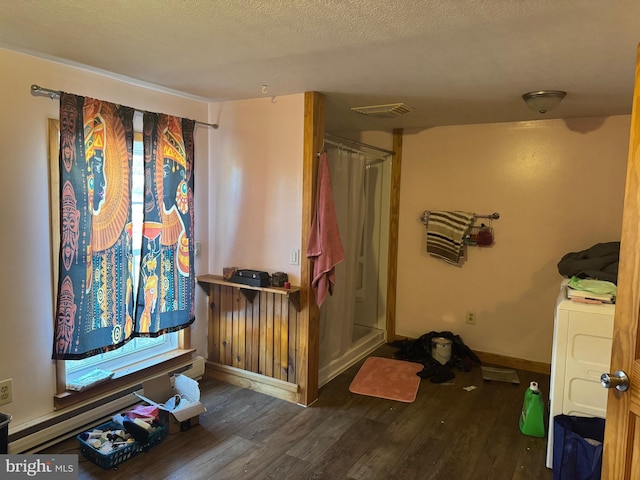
166, 288
95, 304
96, 309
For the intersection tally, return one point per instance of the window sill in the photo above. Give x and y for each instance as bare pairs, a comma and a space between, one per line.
125, 378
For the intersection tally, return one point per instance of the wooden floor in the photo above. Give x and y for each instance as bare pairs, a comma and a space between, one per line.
447, 433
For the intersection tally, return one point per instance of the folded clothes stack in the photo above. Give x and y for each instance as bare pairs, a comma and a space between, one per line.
591, 291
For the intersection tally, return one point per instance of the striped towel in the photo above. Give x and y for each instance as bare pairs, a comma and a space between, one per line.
445, 234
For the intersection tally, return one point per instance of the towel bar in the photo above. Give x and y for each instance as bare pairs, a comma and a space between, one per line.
424, 218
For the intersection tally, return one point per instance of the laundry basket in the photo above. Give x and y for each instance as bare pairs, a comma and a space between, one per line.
577, 447
5, 419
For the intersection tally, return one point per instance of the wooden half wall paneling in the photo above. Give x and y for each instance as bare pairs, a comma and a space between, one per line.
254, 336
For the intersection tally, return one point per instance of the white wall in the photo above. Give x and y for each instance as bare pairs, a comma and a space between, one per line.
255, 183
558, 186
25, 281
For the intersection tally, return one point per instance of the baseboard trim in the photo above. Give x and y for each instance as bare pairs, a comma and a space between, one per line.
253, 381
512, 362
504, 361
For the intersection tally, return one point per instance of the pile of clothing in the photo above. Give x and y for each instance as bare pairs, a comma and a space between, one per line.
419, 351
599, 262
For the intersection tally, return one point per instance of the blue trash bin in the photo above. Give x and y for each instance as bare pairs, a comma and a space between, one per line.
5, 419
577, 447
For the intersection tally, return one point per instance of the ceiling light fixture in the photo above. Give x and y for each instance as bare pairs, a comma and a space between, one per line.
543, 100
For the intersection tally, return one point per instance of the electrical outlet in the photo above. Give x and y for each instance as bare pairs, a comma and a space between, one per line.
471, 318
196, 251
6, 391
294, 256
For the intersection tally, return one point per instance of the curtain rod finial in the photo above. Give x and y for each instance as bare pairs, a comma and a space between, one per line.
45, 92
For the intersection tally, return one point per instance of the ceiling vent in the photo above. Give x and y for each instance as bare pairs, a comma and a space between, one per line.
391, 110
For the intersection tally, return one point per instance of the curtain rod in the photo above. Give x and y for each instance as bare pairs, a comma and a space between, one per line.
354, 142
53, 94
355, 150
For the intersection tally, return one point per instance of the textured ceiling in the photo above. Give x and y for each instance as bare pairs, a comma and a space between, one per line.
455, 61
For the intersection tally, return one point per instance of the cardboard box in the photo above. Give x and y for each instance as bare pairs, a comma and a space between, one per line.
158, 391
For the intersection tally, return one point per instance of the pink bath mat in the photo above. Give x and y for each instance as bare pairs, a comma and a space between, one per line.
387, 378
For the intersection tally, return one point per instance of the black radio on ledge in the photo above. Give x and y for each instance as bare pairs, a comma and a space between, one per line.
278, 279
255, 278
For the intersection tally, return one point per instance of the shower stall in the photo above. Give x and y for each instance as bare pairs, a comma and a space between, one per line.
353, 319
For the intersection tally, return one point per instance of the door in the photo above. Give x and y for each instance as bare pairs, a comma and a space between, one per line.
622, 434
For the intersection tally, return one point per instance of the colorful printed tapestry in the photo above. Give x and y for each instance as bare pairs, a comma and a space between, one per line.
95, 307
95, 303
167, 284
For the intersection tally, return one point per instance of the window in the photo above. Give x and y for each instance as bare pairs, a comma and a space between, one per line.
137, 349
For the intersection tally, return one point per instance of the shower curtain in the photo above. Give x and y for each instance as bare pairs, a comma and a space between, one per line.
337, 312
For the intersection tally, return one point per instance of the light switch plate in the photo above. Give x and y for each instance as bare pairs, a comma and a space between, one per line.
294, 256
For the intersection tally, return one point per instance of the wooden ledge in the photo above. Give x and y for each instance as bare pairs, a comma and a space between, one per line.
250, 291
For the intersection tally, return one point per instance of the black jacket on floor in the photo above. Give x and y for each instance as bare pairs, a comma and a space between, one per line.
419, 351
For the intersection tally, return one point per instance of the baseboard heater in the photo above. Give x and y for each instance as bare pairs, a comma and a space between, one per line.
57, 427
